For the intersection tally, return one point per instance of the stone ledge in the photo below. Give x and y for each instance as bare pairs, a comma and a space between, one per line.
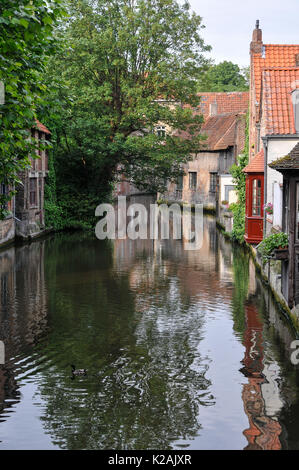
274, 284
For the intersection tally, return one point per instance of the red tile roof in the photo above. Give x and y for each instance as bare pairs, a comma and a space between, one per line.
220, 128
229, 102
277, 87
274, 55
257, 164
220, 131
42, 128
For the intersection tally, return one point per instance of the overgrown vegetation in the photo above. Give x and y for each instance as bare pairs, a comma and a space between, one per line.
272, 242
239, 178
99, 80
26, 41
120, 62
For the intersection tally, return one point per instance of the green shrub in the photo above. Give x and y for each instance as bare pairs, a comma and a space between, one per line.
238, 231
239, 178
269, 244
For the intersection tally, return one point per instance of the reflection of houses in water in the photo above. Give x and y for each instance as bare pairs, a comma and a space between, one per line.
205, 266
23, 308
23, 312
8, 389
260, 395
225, 261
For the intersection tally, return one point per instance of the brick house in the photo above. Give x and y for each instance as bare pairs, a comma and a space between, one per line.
274, 79
207, 178
25, 217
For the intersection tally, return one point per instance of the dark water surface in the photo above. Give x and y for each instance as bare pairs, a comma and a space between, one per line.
184, 349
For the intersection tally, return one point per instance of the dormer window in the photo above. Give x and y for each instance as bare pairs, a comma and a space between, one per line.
295, 100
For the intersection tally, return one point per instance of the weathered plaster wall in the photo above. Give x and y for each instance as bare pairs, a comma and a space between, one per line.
277, 148
226, 182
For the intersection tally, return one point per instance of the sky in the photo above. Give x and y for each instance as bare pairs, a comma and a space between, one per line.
229, 25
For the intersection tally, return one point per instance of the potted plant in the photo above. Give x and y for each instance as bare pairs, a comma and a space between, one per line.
225, 204
268, 208
275, 246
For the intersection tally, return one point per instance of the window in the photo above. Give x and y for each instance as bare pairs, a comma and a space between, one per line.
161, 131
179, 184
213, 182
295, 99
39, 151
297, 213
3, 189
192, 180
256, 197
4, 192
32, 192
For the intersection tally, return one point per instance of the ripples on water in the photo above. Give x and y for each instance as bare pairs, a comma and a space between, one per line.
184, 349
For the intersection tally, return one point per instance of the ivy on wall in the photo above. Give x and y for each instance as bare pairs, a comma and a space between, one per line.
239, 179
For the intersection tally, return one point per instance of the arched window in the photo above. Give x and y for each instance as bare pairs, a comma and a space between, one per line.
256, 197
295, 99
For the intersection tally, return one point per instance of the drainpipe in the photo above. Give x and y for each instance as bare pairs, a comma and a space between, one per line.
265, 144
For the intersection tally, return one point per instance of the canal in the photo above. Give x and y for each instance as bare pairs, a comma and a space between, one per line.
184, 349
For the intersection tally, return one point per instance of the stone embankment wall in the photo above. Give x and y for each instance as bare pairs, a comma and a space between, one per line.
7, 231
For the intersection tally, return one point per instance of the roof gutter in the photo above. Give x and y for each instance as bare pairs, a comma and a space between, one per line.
280, 136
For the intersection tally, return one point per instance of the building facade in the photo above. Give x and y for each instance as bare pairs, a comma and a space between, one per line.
25, 212
274, 144
288, 166
254, 212
207, 179
274, 79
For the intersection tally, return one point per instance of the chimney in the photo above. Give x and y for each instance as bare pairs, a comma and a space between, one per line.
213, 109
256, 45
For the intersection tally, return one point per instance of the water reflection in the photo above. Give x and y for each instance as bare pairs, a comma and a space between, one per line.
263, 432
162, 332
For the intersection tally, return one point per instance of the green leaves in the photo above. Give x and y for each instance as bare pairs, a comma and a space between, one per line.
24, 23
224, 77
239, 179
26, 40
272, 242
119, 59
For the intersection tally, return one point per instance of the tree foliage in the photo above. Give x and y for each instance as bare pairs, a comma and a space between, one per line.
26, 40
224, 77
121, 59
239, 178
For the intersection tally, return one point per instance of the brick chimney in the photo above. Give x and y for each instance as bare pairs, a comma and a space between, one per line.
256, 45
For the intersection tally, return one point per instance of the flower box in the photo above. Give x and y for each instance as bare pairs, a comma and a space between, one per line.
281, 253
268, 208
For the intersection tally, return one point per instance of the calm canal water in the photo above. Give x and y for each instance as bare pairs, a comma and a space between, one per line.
184, 349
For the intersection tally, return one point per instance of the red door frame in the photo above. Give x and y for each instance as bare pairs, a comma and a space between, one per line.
254, 223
